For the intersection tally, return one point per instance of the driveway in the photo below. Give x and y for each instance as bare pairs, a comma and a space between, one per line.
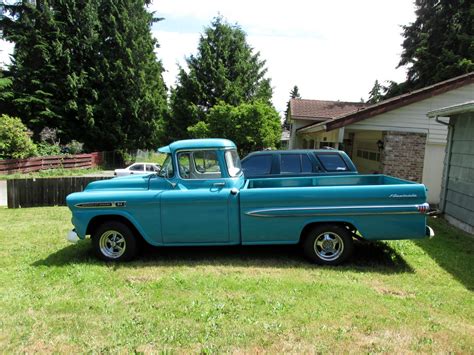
3, 192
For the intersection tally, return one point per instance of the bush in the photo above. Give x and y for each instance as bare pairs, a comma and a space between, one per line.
15, 142
74, 147
45, 149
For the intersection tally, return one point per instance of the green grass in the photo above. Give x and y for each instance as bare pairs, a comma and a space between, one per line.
52, 173
401, 296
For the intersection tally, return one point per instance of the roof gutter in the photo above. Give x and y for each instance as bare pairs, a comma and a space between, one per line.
317, 128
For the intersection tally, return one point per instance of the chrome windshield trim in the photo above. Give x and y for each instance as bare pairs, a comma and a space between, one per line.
329, 211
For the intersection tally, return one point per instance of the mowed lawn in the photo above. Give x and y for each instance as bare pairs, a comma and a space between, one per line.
400, 296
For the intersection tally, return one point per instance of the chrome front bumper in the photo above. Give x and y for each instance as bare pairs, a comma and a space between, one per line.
72, 236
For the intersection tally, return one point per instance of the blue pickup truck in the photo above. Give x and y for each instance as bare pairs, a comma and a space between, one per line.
200, 197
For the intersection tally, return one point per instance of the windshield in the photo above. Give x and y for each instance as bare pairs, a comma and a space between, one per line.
233, 163
167, 170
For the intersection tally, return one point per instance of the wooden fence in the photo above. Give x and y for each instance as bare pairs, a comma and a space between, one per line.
45, 191
12, 166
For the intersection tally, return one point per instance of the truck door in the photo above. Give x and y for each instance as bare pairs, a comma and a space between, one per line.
197, 210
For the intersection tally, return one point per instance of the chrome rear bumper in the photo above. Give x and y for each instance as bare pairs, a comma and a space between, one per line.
72, 236
430, 232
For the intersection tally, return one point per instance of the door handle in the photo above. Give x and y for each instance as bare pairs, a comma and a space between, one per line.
218, 184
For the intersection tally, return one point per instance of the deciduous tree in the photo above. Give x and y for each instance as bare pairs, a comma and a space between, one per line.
252, 126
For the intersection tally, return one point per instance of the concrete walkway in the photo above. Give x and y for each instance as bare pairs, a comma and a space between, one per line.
3, 192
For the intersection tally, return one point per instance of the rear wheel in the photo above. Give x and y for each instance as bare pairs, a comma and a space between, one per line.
114, 241
328, 244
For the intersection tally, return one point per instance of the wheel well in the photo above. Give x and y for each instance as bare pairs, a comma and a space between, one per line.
98, 220
307, 227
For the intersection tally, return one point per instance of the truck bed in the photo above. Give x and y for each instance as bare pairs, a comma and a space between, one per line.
347, 180
378, 206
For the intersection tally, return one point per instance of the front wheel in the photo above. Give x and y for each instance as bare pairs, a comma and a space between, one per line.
328, 244
114, 241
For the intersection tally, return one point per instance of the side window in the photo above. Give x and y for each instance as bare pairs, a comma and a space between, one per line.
184, 165
167, 170
258, 165
290, 164
199, 165
137, 167
332, 162
306, 166
150, 168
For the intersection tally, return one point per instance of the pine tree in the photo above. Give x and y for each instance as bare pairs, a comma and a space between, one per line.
375, 95
439, 45
131, 92
89, 69
36, 57
225, 69
294, 94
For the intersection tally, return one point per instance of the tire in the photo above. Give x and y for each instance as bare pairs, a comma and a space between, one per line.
114, 241
328, 244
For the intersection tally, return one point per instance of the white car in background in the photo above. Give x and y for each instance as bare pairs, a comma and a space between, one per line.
138, 168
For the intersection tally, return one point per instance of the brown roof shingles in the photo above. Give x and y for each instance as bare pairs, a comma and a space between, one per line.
368, 111
319, 110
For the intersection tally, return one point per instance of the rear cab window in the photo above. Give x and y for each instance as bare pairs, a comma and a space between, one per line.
233, 163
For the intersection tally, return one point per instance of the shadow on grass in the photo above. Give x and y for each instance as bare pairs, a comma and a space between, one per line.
367, 257
453, 250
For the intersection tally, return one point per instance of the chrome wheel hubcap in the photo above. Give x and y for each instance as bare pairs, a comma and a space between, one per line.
328, 246
112, 244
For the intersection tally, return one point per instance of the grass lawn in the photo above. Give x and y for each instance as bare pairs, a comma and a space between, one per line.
399, 296
52, 173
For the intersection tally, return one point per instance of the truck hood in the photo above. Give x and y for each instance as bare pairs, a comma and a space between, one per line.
132, 182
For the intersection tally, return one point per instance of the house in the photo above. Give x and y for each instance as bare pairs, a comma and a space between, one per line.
457, 192
285, 139
392, 137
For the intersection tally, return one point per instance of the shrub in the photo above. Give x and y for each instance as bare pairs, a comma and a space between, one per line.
15, 141
45, 149
74, 147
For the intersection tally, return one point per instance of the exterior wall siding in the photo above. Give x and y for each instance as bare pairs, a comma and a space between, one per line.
433, 171
295, 139
403, 154
458, 191
412, 118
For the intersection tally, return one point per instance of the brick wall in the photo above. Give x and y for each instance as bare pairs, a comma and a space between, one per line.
403, 154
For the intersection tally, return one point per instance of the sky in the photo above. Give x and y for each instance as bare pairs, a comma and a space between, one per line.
332, 50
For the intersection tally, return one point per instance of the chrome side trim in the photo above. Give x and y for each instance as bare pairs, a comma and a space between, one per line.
328, 211
101, 204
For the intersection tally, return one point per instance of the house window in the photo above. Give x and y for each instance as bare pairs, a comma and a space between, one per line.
367, 154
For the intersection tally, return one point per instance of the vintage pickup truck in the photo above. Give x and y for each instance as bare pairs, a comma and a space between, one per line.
200, 197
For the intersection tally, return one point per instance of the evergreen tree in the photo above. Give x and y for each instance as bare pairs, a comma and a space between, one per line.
294, 94
375, 95
225, 69
36, 57
439, 45
89, 69
132, 94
